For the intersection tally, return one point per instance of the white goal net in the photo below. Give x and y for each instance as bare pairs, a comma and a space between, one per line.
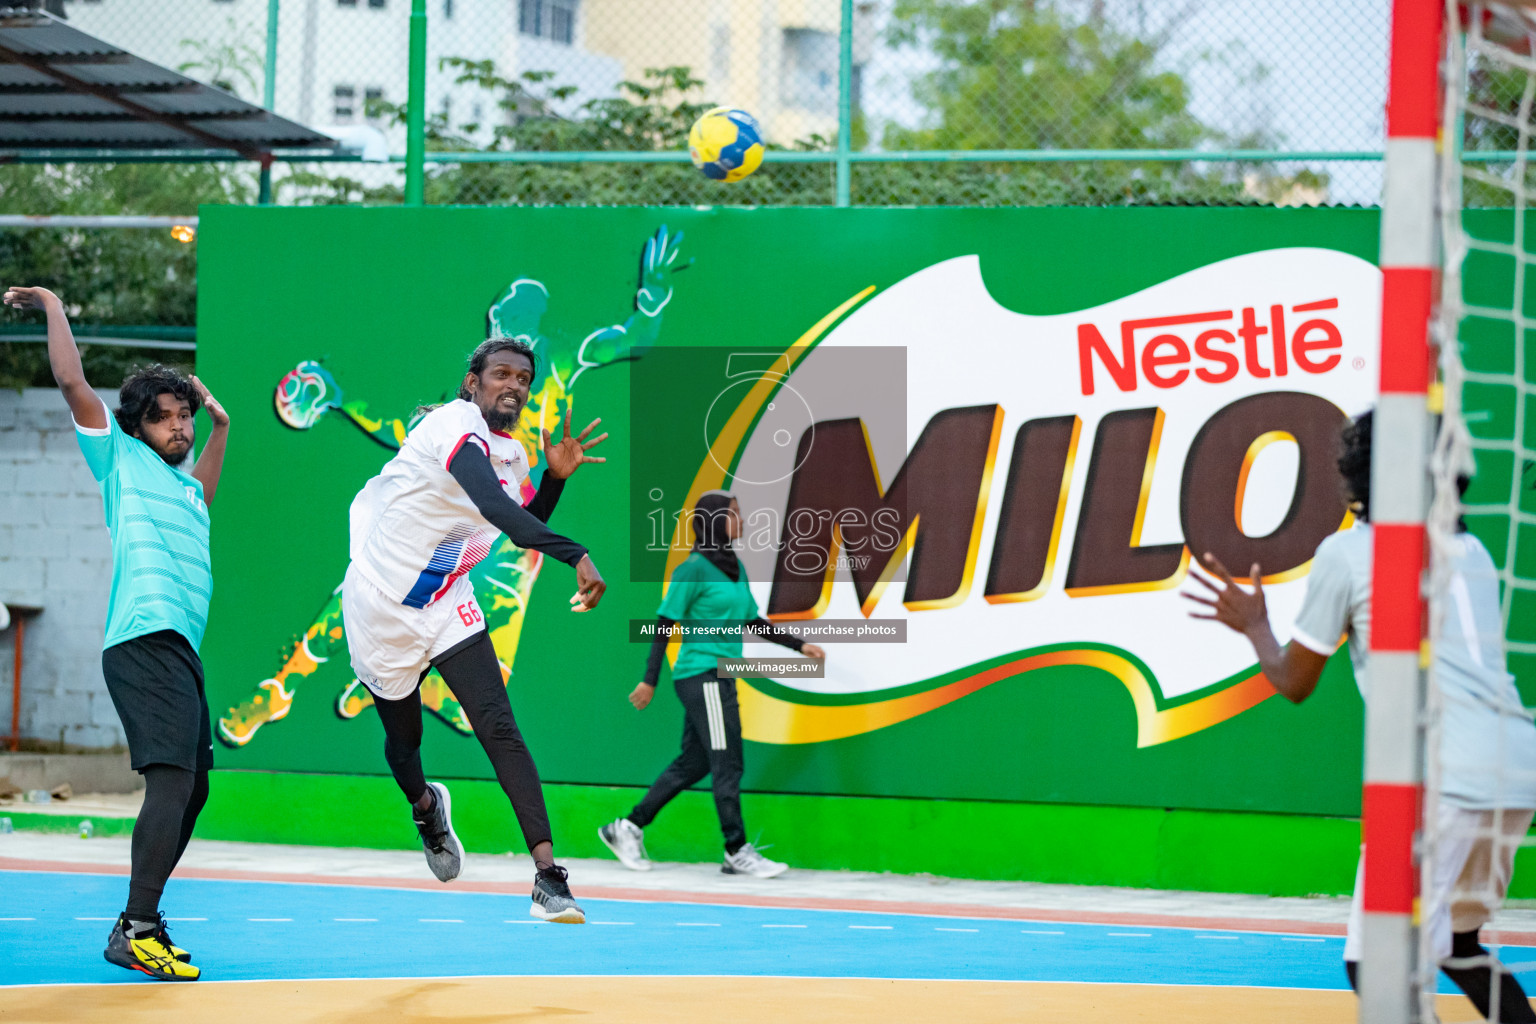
1483, 467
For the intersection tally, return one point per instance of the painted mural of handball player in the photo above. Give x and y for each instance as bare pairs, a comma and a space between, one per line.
417, 529
1487, 744
503, 581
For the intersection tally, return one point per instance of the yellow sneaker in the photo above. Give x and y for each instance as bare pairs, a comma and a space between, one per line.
353, 700
269, 703
176, 951
150, 953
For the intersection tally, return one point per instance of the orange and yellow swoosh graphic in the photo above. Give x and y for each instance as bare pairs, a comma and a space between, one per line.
766, 718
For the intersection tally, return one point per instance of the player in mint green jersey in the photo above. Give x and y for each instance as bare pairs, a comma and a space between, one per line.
161, 584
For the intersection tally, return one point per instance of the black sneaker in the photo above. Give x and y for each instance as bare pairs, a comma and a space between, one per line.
445, 854
552, 899
149, 953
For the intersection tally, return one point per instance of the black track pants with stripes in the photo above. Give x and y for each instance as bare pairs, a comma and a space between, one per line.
711, 746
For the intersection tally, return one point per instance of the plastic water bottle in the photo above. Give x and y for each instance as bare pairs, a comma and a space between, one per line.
6, 828
87, 829
39, 796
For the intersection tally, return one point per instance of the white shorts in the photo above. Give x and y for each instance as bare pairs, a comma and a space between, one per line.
1472, 866
392, 646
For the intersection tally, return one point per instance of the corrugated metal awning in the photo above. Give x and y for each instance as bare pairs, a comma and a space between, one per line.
63, 88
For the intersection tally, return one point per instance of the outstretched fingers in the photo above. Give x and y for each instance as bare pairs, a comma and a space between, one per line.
1207, 584
1214, 564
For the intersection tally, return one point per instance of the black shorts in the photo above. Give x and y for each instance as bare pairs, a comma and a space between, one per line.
156, 683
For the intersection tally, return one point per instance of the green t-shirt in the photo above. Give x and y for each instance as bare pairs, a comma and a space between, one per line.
161, 577
702, 598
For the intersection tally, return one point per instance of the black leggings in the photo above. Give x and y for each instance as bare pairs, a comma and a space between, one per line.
711, 746
173, 798
472, 673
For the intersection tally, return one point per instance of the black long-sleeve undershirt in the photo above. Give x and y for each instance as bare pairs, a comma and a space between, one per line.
546, 497
762, 627
658, 649
471, 467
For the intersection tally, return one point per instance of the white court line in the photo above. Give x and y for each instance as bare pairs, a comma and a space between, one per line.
356, 920
18, 919
1223, 938
270, 920
1031, 931
439, 920
783, 926
698, 924
871, 927
956, 929
1130, 935
1288, 938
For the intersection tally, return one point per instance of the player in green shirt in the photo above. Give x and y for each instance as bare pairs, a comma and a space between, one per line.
158, 608
710, 598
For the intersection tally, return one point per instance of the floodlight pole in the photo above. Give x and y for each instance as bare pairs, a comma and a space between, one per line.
268, 100
269, 87
416, 109
845, 104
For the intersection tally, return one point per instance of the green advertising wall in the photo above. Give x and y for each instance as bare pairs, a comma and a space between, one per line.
389, 301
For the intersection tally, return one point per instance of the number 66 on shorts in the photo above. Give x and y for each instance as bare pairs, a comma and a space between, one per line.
393, 645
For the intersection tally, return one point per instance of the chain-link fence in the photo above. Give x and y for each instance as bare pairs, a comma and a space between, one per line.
933, 101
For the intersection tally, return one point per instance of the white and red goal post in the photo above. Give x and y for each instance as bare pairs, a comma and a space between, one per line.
1392, 800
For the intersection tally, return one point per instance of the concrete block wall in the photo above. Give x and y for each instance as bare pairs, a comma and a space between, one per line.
54, 552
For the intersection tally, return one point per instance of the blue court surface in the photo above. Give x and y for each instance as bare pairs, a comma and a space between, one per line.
54, 926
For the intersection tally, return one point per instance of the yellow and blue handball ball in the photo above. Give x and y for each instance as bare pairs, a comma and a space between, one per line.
726, 144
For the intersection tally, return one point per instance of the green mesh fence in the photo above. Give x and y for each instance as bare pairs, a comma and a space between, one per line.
978, 102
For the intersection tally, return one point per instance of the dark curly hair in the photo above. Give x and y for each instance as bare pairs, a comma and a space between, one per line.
1355, 464
488, 348
140, 394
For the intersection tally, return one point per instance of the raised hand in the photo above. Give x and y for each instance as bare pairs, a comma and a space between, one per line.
1231, 605
656, 266
215, 410
568, 454
18, 297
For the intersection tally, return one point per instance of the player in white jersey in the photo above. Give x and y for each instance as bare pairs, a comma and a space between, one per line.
458, 482
1488, 742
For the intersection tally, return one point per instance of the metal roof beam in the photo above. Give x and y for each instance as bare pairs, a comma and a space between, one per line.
57, 89
138, 110
90, 58
174, 120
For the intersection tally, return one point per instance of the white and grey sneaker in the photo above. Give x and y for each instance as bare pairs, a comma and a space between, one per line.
627, 841
747, 861
552, 900
445, 854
